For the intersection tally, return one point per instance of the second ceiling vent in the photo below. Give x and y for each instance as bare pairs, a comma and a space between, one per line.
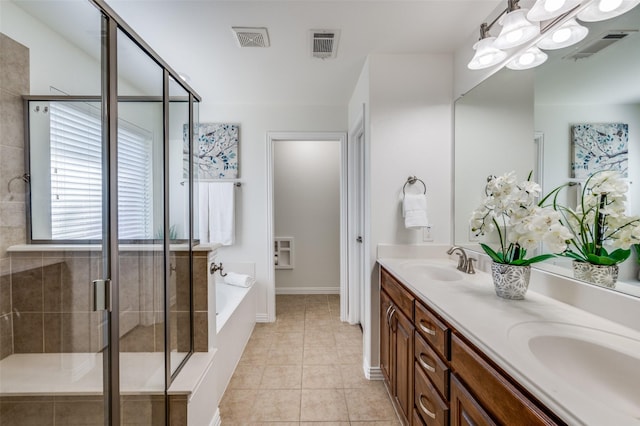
251, 36
324, 43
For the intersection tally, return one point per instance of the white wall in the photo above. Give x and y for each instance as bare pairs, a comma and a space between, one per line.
307, 208
408, 132
252, 244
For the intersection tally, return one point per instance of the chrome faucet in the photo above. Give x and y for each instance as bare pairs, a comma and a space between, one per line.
465, 264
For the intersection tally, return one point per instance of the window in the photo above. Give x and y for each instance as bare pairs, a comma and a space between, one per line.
76, 175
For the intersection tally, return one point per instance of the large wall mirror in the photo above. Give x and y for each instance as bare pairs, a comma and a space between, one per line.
521, 121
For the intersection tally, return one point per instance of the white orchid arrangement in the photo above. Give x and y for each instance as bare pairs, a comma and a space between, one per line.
599, 220
510, 208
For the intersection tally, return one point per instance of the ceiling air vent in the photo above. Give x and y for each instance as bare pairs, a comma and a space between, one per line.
324, 43
251, 37
602, 42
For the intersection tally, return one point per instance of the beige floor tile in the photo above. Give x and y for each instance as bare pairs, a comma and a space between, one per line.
373, 405
294, 339
247, 376
321, 355
321, 377
353, 377
289, 326
313, 325
382, 423
278, 405
349, 354
319, 338
284, 356
325, 424
282, 377
236, 406
323, 405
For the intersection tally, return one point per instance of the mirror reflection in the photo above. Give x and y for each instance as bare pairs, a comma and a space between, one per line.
522, 121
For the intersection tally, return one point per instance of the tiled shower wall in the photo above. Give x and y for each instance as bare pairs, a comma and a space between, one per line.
14, 82
50, 296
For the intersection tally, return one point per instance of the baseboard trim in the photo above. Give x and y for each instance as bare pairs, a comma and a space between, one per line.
216, 421
308, 290
373, 373
262, 318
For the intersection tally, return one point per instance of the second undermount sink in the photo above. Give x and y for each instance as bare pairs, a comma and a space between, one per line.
423, 269
601, 366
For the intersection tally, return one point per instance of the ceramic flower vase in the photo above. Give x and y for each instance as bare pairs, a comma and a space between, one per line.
510, 281
603, 275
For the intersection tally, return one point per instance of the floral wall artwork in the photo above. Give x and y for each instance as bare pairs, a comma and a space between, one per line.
217, 156
599, 147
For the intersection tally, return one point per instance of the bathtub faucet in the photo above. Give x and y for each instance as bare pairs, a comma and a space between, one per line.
215, 268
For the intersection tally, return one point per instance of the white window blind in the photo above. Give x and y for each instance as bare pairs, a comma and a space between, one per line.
76, 176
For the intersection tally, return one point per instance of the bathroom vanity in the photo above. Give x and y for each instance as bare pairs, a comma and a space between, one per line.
453, 353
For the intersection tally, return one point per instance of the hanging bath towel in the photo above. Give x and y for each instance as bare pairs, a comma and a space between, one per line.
414, 210
221, 213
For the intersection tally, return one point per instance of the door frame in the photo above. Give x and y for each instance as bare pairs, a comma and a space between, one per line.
357, 215
272, 138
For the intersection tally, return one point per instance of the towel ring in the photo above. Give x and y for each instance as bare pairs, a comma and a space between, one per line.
412, 180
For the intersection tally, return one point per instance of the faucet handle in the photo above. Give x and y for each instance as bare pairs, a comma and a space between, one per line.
470, 269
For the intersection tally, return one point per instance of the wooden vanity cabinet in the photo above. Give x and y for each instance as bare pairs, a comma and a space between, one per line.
437, 378
396, 343
492, 391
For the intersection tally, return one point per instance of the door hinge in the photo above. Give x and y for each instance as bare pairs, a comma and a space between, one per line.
101, 295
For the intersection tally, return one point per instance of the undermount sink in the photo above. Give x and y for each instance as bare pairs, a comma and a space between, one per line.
602, 366
423, 269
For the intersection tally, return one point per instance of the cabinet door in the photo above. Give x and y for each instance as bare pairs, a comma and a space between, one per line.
385, 337
465, 410
402, 343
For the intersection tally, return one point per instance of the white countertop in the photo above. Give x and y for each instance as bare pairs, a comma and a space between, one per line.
494, 324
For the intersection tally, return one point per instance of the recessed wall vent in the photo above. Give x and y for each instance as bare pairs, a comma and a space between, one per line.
324, 43
602, 42
251, 37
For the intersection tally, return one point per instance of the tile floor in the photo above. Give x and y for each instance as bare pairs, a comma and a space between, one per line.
305, 369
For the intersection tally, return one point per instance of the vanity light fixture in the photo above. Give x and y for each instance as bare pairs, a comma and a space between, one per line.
545, 10
599, 10
567, 34
532, 57
516, 28
486, 55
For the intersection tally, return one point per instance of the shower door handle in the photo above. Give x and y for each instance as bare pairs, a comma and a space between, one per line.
101, 295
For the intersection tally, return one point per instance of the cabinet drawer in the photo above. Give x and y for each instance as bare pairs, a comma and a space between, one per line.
436, 370
505, 402
432, 329
433, 410
417, 420
401, 297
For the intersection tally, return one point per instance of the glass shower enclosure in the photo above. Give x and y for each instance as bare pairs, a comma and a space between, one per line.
97, 319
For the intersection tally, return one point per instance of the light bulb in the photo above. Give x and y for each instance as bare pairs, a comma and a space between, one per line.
532, 57
567, 34
609, 5
486, 55
516, 30
527, 58
553, 5
562, 35
544, 10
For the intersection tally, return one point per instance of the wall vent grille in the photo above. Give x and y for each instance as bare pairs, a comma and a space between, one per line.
600, 43
251, 37
324, 43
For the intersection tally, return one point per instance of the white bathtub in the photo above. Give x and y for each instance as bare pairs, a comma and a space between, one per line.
228, 298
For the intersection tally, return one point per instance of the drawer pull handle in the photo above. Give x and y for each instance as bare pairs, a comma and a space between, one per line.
427, 329
424, 364
424, 409
387, 314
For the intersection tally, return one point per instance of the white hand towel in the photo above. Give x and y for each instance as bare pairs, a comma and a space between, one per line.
221, 213
239, 280
414, 210
203, 212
